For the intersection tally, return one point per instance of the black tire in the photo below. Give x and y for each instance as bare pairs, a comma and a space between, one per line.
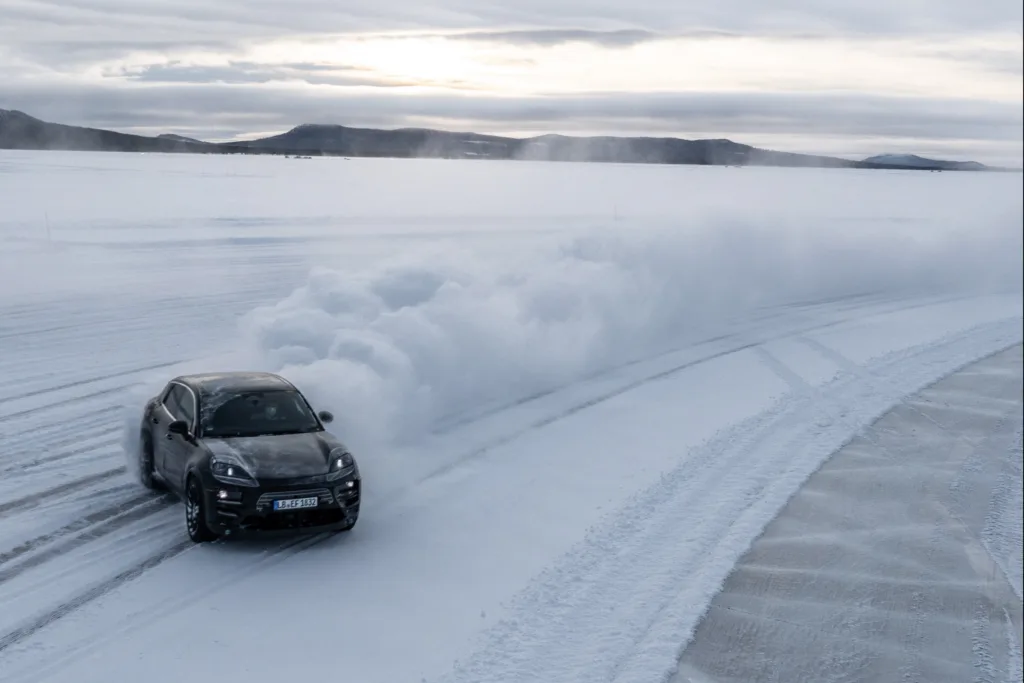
195, 513
146, 463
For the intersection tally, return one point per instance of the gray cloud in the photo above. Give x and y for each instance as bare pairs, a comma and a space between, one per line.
238, 72
308, 66
549, 37
1004, 61
54, 31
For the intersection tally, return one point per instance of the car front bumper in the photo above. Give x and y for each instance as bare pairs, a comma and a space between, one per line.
237, 509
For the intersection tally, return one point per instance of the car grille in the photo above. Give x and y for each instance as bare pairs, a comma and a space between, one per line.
266, 500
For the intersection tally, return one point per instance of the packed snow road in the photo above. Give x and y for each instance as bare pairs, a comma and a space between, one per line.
899, 560
569, 429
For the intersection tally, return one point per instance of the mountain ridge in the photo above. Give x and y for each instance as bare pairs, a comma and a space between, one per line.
924, 162
19, 130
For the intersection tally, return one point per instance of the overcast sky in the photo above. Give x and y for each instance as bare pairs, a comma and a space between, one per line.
845, 77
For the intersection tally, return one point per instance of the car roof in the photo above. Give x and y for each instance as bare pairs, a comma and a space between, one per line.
218, 382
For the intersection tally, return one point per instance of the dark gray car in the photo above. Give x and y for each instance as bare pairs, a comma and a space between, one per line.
247, 452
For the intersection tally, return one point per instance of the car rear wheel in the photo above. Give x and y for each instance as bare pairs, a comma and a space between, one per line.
195, 513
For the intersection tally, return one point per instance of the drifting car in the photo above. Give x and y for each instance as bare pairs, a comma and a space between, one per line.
246, 452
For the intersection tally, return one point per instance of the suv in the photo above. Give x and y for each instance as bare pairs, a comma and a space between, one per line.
247, 452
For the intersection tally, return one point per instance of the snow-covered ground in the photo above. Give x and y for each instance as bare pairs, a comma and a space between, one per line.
869, 574
577, 392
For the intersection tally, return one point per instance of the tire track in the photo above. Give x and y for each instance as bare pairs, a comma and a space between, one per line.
855, 303
36, 499
559, 624
98, 591
295, 547
66, 402
273, 556
119, 515
627, 387
83, 599
90, 380
21, 465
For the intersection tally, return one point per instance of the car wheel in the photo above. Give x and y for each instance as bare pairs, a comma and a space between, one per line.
146, 463
195, 513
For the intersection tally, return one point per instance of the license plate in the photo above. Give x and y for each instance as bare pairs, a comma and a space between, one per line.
296, 503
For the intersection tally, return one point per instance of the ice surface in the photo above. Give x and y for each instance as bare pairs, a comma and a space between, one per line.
549, 372
899, 560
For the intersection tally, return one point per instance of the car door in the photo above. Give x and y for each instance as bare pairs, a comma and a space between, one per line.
178, 447
164, 413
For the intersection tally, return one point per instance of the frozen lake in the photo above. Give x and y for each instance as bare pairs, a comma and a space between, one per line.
578, 393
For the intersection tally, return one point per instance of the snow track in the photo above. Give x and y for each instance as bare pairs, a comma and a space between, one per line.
669, 550
81, 433
875, 569
77, 500
612, 609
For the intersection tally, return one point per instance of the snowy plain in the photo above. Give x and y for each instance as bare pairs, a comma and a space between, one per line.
578, 393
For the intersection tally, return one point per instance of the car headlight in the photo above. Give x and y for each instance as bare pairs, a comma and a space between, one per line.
342, 464
231, 472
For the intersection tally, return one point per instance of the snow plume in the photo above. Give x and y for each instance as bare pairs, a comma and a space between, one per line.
399, 348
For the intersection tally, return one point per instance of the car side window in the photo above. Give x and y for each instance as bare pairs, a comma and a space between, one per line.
172, 400
188, 406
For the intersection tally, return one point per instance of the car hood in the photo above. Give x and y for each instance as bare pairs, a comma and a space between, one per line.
278, 456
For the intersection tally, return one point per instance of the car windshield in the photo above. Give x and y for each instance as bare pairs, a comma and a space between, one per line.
258, 413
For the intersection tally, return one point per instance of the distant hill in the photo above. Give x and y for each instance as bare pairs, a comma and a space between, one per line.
915, 161
179, 138
320, 139
21, 131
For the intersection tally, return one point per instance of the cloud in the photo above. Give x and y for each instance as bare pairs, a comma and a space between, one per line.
989, 58
549, 37
54, 32
59, 54
234, 73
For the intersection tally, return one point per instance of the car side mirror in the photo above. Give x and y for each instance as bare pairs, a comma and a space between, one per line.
179, 427
325, 416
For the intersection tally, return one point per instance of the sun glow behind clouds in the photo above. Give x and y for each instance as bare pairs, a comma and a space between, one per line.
928, 68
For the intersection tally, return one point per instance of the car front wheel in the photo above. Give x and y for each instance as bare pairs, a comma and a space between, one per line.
195, 513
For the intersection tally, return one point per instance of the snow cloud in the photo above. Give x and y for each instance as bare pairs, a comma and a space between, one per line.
402, 349
473, 285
